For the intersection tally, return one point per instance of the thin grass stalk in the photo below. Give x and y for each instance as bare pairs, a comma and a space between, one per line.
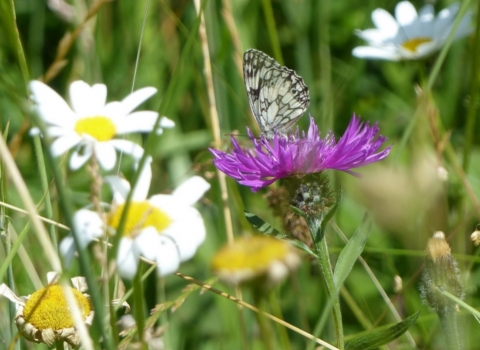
266, 332
272, 31
474, 96
254, 309
84, 258
232, 28
150, 143
45, 188
139, 306
7, 9
443, 53
207, 67
277, 312
379, 287
325, 65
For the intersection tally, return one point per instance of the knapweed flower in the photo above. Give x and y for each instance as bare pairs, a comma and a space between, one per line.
45, 316
300, 154
166, 229
409, 35
91, 124
261, 260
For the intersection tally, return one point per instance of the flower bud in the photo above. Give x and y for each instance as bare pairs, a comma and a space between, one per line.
440, 274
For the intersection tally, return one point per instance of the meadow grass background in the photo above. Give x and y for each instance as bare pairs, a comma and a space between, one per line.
315, 38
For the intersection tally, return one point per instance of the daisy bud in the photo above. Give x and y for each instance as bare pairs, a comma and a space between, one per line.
441, 274
475, 236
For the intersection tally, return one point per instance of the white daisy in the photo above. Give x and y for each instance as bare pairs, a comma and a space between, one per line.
91, 124
409, 35
166, 229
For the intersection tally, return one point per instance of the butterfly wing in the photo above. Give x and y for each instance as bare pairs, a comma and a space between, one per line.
276, 94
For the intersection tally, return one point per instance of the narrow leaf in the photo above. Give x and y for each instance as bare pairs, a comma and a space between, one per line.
351, 252
379, 338
269, 230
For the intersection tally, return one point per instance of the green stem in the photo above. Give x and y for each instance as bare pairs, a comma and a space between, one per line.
272, 30
139, 306
323, 260
265, 328
448, 319
45, 188
474, 97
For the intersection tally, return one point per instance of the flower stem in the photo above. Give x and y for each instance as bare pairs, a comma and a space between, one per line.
323, 260
263, 324
448, 319
139, 305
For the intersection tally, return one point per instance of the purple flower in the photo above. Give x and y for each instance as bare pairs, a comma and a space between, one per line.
301, 154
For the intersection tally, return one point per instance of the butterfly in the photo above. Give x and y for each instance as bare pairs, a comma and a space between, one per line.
278, 97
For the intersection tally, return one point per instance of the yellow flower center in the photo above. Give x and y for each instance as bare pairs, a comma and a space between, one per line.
48, 308
412, 44
254, 253
100, 128
140, 215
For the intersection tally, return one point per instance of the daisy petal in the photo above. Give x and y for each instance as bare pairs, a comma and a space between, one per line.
405, 13
88, 225
160, 249
50, 106
128, 147
385, 22
77, 159
142, 121
64, 143
81, 96
143, 184
127, 259
120, 188
67, 250
191, 190
375, 53
106, 155
133, 100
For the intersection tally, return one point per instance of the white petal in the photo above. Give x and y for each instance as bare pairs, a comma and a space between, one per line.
143, 184
133, 100
188, 233
373, 36
64, 143
160, 249
88, 225
87, 100
120, 188
128, 147
127, 259
50, 106
405, 13
99, 93
105, 154
166, 123
142, 121
426, 13
57, 131
385, 22
77, 160
191, 190
113, 110
67, 250
375, 53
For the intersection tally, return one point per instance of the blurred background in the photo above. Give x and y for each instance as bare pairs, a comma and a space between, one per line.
408, 194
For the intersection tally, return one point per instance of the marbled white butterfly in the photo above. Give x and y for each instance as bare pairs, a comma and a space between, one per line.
277, 95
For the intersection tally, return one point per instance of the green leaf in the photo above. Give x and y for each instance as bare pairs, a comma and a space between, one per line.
376, 339
269, 230
351, 252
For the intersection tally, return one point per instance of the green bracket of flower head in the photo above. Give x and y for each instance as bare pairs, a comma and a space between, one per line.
379, 338
269, 230
351, 252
